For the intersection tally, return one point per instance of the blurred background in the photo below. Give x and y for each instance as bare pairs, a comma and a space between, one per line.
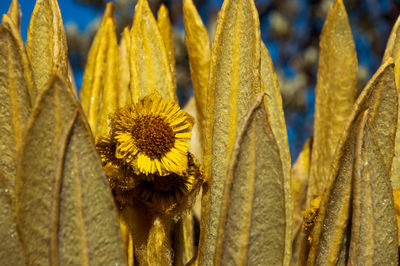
289, 28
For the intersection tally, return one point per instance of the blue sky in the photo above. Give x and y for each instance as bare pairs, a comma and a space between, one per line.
79, 14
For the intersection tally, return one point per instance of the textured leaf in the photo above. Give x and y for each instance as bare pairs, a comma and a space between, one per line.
379, 97
124, 94
393, 50
158, 244
183, 240
101, 79
65, 211
46, 42
373, 228
299, 174
164, 24
252, 226
14, 13
150, 70
234, 83
198, 47
335, 94
276, 118
11, 249
15, 103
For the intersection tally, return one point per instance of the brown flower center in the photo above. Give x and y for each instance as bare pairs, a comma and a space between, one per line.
153, 135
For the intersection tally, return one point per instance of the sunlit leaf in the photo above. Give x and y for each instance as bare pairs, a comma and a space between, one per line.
335, 93
11, 249
124, 94
198, 47
14, 13
46, 42
164, 24
150, 69
330, 236
65, 211
158, 244
252, 226
184, 240
101, 79
299, 176
16, 83
234, 83
393, 50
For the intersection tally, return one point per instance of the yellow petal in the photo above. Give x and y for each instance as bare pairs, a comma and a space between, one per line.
150, 70
335, 94
234, 83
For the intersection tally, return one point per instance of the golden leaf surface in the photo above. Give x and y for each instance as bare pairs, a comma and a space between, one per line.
183, 239
150, 69
331, 232
393, 50
252, 227
373, 228
100, 85
14, 13
234, 83
11, 252
16, 83
124, 94
198, 47
65, 211
46, 42
164, 25
335, 94
299, 176
158, 244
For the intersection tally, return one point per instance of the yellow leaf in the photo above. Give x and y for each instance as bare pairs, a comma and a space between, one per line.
14, 13
101, 79
11, 252
16, 83
331, 232
198, 46
150, 70
373, 228
234, 83
184, 240
299, 174
335, 94
158, 244
46, 42
252, 227
164, 24
124, 94
393, 50
65, 211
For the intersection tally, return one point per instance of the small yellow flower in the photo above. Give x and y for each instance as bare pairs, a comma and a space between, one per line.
171, 192
152, 136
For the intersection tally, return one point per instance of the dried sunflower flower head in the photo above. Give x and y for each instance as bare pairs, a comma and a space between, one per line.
146, 155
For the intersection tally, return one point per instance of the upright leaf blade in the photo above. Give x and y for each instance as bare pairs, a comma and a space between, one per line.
150, 70
393, 51
14, 13
335, 94
233, 85
198, 46
124, 94
252, 226
16, 83
100, 88
65, 212
46, 42
164, 24
379, 97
